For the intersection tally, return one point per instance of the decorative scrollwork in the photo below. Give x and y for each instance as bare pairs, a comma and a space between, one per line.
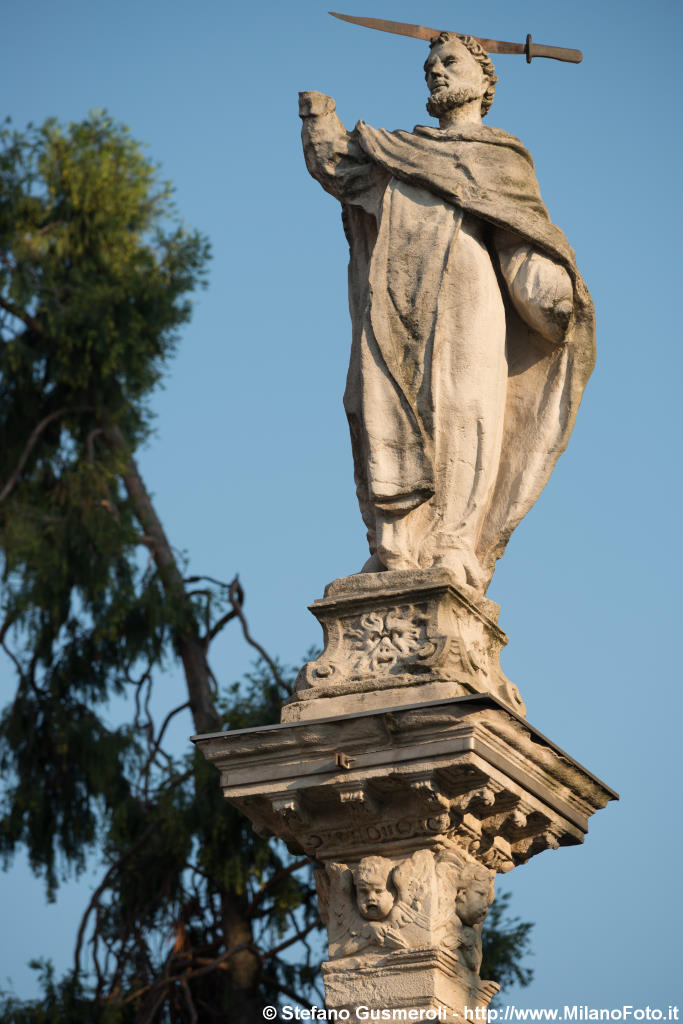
383, 639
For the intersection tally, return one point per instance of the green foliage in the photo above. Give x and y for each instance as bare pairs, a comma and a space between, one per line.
94, 281
95, 278
195, 917
506, 942
60, 1002
95, 268
175, 853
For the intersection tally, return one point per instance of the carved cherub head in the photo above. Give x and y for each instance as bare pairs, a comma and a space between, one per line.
373, 897
474, 896
458, 70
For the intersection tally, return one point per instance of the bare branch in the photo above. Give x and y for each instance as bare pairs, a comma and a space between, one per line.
218, 626
212, 965
22, 315
94, 901
179, 779
90, 443
190, 1002
7, 625
289, 992
157, 742
142, 538
95, 958
298, 937
211, 579
236, 596
188, 642
279, 876
12, 655
138, 684
32, 441
149, 1017
49, 226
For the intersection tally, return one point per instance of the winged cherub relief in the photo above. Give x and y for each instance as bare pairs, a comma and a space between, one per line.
378, 904
467, 890
424, 900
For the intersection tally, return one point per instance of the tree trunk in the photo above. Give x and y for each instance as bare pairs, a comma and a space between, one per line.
246, 1004
245, 966
190, 648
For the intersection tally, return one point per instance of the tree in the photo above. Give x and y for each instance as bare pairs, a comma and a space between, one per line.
95, 276
194, 914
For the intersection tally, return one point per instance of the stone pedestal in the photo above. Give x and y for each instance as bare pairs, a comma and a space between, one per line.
405, 767
398, 637
428, 979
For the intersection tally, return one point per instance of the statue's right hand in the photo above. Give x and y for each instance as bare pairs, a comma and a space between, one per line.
313, 104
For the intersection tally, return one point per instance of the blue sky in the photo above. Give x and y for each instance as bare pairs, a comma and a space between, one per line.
251, 465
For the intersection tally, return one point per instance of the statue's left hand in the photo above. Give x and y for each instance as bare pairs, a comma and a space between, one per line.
541, 290
548, 286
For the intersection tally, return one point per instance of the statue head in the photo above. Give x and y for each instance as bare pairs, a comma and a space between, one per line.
474, 896
458, 71
371, 879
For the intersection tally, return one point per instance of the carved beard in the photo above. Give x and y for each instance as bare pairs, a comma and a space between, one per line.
444, 100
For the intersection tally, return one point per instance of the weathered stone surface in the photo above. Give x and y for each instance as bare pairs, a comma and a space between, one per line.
429, 978
466, 770
403, 764
436, 898
396, 638
472, 329
410, 812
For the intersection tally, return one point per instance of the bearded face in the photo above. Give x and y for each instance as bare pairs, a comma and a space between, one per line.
454, 78
444, 100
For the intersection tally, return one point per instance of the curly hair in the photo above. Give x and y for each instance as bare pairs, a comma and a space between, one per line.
482, 58
373, 867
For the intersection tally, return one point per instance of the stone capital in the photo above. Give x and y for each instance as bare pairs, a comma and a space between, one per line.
409, 812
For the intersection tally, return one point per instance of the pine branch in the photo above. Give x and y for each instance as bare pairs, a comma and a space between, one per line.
30, 445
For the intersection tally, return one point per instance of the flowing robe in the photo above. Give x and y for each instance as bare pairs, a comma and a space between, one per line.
461, 394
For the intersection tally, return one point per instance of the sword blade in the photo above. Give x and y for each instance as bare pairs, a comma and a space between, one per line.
498, 46
401, 28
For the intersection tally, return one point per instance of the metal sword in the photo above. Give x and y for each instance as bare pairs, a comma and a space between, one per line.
529, 48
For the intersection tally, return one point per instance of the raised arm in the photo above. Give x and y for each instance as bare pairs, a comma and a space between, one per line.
334, 157
540, 289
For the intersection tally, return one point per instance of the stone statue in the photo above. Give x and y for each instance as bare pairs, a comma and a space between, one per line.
472, 329
403, 764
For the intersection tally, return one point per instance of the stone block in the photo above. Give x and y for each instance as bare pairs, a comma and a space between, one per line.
396, 638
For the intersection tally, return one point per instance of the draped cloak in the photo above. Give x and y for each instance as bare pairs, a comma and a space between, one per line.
490, 175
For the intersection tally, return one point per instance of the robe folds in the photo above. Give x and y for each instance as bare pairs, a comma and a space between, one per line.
486, 176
